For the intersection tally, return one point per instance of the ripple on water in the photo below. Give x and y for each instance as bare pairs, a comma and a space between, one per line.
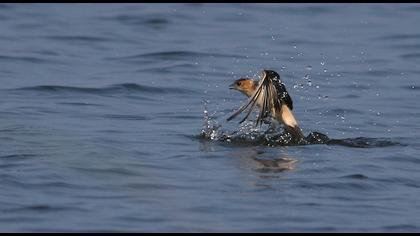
140, 20
411, 87
410, 56
113, 89
392, 37
355, 176
27, 59
126, 117
42, 208
77, 38
172, 55
18, 156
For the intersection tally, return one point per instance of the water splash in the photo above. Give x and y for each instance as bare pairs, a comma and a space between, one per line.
247, 133
265, 135
210, 127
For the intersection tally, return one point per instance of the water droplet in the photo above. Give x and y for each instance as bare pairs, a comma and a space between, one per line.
213, 135
322, 63
308, 79
325, 70
308, 67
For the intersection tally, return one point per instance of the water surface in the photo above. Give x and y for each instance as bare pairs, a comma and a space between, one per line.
102, 113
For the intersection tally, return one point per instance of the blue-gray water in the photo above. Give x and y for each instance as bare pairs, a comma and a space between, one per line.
102, 112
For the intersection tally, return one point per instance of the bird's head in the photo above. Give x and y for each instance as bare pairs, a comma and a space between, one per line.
245, 85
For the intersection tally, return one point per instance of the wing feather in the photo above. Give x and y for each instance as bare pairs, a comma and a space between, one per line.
252, 100
273, 94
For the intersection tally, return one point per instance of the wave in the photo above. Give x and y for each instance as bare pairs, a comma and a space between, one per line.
410, 56
27, 59
78, 38
399, 36
113, 89
155, 22
173, 55
411, 87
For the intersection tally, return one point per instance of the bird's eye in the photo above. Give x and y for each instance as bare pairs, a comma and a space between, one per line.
238, 83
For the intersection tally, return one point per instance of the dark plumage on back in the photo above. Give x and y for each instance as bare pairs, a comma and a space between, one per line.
282, 93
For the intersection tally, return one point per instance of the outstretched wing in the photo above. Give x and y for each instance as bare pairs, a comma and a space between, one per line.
268, 92
283, 95
252, 101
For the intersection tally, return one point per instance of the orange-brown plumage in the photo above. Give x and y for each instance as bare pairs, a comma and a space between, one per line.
245, 85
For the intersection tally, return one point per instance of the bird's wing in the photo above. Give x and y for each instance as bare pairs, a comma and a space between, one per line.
268, 93
270, 100
252, 101
283, 95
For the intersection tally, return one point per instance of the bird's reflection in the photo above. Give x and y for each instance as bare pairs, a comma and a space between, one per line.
268, 165
257, 159
278, 164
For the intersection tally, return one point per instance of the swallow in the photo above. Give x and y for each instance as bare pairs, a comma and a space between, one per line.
271, 97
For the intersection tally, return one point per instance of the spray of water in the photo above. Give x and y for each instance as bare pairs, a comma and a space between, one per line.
246, 133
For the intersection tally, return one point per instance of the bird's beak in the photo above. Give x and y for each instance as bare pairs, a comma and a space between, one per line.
232, 86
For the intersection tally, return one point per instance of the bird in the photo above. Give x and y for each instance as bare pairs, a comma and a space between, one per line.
271, 97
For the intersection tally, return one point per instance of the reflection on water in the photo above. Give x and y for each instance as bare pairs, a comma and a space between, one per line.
260, 161
280, 164
255, 158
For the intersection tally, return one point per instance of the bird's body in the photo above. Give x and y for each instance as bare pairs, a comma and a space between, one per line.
272, 99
